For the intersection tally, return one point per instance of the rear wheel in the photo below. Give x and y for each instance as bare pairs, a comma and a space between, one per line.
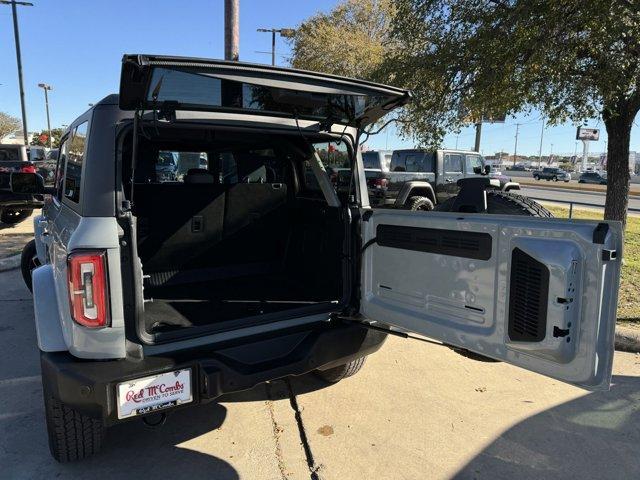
420, 203
72, 435
11, 216
334, 375
536, 177
28, 262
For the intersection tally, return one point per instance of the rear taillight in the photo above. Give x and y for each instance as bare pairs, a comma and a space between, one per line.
28, 169
87, 273
379, 183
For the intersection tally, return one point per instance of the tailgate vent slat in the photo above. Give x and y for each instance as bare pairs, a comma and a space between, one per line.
528, 297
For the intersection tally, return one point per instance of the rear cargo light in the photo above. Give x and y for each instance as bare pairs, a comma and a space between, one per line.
87, 273
28, 169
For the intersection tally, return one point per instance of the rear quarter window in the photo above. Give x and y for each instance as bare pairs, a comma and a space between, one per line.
75, 161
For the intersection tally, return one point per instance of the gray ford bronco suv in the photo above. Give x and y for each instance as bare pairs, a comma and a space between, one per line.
158, 292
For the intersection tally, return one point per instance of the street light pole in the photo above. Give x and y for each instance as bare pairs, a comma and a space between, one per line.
46, 88
515, 148
540, 149
284, 32
16, 34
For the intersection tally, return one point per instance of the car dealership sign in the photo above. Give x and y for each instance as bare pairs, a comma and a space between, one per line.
588, 134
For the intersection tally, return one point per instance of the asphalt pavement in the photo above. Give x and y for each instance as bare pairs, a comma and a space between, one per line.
415, 411
569, 195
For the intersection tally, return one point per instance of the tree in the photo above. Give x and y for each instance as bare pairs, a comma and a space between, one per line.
350, 40
8, 124
572, 60
42, 139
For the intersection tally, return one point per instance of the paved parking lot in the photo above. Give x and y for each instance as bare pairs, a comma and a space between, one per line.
415, 411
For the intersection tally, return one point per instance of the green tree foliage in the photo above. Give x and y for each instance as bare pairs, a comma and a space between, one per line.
574, 60
56, 133
8, 124
350, 40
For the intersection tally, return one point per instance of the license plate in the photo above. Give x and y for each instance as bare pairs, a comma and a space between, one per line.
155, 393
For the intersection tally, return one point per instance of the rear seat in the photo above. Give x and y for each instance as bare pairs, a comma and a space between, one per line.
180, 224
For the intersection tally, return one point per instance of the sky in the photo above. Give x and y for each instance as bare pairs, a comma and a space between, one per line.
76, 46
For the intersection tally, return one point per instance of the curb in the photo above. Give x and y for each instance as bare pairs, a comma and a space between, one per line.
9, 263
627, 339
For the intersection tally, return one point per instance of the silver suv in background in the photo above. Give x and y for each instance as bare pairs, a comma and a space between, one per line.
155, 293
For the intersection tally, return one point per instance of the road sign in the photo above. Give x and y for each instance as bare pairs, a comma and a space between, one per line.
588, 134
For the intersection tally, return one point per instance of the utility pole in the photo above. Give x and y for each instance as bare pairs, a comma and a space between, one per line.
16, 34
540, 149
284, 32
478, 136
457, 137
46, 88
232, 30
515, 148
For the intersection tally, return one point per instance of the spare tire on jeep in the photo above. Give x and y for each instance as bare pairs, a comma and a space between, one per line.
505, 203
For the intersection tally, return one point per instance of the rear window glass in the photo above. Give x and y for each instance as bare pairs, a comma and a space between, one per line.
335, 159
75, 160
371, 160
9, 154
251, 166
172, 165
199, 89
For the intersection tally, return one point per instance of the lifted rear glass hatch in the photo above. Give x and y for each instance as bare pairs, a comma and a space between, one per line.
153, 82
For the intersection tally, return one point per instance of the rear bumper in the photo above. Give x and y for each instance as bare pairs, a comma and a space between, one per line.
19, 201
90, 386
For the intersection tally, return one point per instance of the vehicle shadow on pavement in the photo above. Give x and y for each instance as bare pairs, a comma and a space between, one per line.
568, 438
278, 389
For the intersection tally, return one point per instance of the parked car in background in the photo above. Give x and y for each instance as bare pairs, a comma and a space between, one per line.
15, 207
167, 166
593, 177
518, 168
551, 173
418, 179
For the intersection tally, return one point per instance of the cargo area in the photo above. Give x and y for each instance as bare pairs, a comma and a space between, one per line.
233, 229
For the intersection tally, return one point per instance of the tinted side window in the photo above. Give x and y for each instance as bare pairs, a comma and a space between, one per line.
75, 159
397, 163
335, 159
370, 160
474, 161
452, 163
59, 174
412, 164
253, 166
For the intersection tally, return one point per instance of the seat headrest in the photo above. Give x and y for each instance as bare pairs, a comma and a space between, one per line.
198, 175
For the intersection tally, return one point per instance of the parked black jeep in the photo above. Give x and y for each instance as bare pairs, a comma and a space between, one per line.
420, 179
15, 207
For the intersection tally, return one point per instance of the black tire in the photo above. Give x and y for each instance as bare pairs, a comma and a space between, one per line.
580, 181
72, 435
506, 203
536, 177
28, 262
11, 217
555, 179
335, 374
419, 203
509, 203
